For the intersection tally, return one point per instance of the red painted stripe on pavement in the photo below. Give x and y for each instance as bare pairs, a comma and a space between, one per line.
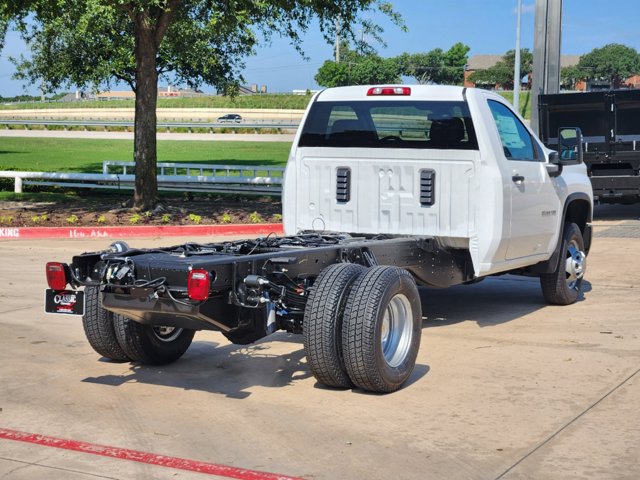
141, 457
142, 231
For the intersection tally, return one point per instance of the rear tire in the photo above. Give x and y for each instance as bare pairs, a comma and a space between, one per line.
98, 327
151, 345
564, 285
322, 324
381, 329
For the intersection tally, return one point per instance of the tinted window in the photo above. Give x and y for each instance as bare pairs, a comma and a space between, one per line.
516, 140
389, 124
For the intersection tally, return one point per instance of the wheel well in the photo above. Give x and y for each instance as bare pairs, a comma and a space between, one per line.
579, 212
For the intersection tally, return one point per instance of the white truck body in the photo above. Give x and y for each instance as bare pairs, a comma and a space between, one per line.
400, 186
481, 204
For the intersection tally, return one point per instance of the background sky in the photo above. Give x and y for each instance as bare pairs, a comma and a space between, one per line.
487, 26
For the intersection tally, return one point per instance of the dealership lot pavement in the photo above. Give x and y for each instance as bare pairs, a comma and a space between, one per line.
505, 386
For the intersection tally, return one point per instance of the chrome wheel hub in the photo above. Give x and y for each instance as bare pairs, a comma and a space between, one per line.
575, 265
396, 330
166, 334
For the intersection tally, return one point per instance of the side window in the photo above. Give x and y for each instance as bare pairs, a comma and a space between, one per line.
516, 140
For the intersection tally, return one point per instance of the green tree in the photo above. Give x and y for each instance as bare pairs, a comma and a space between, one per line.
569, 76
92, 43
436, 66
423, 67
455, 59
502, 72
613, 62
357, 68
11, 10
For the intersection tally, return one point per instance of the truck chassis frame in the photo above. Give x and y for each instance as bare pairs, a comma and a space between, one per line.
250, 278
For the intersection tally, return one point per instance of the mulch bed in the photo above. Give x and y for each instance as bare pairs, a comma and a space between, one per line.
111, 211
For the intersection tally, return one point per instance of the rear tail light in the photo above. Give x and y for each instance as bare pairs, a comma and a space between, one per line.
382, 91
56, 276
198, 284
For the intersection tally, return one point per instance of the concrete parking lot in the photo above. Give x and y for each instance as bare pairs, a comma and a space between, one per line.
505, 386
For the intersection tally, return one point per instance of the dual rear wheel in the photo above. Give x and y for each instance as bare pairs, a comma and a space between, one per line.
362, 327
118, 338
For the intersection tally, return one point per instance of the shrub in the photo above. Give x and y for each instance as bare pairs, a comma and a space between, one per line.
255, 217
195, 218
72, 219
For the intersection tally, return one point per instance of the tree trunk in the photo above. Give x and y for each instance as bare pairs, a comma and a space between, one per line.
145, 153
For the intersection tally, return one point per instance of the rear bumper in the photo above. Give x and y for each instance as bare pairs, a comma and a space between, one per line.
142, 306
614, 189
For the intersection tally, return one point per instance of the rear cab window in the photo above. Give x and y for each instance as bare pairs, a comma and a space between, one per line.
390, 124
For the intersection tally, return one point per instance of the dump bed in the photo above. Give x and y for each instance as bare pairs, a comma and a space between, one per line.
609, 121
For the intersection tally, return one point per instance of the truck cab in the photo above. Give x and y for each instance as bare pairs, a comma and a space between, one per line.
456, 164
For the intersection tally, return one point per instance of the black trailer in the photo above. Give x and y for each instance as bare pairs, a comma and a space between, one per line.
610, 124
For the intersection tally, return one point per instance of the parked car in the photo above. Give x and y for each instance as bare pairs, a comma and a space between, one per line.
230, 118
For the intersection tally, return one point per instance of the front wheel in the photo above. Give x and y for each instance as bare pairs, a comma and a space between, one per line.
381, 329
564, 285
150, 344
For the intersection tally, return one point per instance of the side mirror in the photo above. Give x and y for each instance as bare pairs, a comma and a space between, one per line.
570, 145
554, 166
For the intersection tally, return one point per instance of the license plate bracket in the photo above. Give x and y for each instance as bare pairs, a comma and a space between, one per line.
64, 302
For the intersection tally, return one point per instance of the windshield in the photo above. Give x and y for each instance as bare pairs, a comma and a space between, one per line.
389, 124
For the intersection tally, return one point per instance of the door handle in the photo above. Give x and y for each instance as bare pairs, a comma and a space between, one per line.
518, 179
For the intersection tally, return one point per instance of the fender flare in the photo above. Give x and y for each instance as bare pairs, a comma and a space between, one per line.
550, 265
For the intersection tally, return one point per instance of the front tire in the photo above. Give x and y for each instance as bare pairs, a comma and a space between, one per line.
98, 327
322, 323
381, 329
564, 285
151, 345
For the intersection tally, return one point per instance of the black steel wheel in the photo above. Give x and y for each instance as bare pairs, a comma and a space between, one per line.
151, 345
564, 285
322, 324
98, 327
381, 329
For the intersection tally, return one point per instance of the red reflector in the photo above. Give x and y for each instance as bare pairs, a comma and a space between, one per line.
56, 276
198, 284
389, 91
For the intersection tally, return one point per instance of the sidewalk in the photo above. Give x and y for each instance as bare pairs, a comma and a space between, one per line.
141, 231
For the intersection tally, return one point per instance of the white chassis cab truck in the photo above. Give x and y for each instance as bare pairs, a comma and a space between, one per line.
386, 188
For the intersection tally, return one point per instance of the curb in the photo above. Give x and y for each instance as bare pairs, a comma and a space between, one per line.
143, 231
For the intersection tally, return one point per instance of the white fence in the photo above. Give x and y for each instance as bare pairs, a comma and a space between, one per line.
186, 177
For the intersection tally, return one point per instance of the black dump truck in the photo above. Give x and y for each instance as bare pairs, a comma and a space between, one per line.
610, 124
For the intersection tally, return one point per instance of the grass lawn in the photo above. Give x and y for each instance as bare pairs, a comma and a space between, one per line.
85, 155
275, 101
279, 101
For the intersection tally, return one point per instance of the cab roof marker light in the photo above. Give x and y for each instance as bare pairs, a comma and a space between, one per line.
56, 276
388, 91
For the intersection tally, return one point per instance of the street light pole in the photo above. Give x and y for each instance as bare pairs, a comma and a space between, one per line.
516, 70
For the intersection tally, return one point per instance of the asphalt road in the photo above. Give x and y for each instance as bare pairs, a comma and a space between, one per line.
505, 386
